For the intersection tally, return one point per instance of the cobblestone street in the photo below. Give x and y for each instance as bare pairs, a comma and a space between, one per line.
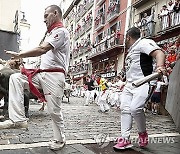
83, 124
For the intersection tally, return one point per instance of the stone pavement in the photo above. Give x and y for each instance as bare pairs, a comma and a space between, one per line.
84, 129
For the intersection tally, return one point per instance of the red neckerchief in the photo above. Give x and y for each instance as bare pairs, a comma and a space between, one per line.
54, 25
31, 72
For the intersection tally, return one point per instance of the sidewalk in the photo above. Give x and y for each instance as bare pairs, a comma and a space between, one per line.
159, 145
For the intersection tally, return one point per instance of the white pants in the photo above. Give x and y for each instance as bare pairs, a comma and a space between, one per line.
102, 102
132, 105
52, 84
89, 96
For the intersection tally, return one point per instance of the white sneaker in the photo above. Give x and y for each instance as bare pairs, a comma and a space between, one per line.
7, 124
56, 145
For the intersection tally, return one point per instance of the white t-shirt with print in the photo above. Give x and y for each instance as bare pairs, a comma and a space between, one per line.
59, 57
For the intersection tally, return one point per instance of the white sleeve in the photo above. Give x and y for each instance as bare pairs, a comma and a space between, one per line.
147, 46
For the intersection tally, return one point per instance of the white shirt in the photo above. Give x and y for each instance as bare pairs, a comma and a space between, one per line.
138, 62
59, 57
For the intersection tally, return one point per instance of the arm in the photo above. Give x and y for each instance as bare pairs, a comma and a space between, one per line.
160, 60
38, 51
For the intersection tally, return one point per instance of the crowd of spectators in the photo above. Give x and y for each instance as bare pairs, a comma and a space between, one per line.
79, 67
172, 52
168, 16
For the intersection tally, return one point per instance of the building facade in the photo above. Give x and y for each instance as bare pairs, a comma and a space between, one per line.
107, 55
9, 26
79, 21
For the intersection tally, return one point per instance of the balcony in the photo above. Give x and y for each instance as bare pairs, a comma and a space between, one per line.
81, 50
80, 68
89, 4
113, 12
169, 22
71, 16
107, 45
99, 22
138, 3
88, 49
99, 2
75, 53
88, 24
82, 30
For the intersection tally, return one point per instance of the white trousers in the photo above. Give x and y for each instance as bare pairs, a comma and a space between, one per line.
102, 101
132, 105
52, 84
89, 96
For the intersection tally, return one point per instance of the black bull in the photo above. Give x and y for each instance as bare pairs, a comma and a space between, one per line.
5, 74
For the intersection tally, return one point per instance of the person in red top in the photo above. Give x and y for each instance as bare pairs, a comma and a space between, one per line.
172, 55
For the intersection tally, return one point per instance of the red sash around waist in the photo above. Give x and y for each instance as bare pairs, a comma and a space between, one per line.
31, 72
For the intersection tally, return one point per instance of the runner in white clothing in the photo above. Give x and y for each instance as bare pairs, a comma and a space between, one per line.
55, 51
138, 63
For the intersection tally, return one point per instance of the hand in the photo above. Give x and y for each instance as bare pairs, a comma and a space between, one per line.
162, 70
15, 55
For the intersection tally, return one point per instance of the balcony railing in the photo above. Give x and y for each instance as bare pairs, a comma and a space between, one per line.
89, 4
113, 12
82, 30
99, 22
165, 23
106, 45
88, 25
82, 11
81, 50
99, 2
79, 68
169, 21
71, 16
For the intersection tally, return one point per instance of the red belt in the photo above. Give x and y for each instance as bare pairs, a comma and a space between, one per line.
31, 72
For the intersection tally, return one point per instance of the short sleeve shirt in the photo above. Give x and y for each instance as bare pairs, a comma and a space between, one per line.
138, 62
58, 57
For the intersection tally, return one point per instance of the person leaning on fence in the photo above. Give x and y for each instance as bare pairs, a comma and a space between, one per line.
55, 55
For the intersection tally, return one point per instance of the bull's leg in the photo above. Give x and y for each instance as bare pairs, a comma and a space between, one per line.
26, 103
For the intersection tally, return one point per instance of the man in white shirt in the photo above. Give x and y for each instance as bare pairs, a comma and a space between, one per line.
55, 55
138, 64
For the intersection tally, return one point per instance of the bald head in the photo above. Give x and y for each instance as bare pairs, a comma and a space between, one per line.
52, 14
55, 9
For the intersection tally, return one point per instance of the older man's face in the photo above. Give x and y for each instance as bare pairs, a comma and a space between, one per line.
49, 17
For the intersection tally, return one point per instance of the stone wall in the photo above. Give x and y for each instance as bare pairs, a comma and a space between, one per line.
173, 95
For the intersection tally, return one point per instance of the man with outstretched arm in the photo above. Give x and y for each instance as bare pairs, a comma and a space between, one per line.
55, 55
138, 63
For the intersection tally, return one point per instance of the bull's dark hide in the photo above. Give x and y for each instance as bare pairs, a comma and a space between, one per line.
5, 74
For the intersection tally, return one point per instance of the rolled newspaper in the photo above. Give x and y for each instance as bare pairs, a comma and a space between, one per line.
146, 79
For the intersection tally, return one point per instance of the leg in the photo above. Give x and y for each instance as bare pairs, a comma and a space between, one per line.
126, 118
17, 84
53, 85
137, 105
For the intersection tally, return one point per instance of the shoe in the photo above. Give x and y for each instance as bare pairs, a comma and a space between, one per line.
15, 125
143, 139
56, 145
106, 111
122, 144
